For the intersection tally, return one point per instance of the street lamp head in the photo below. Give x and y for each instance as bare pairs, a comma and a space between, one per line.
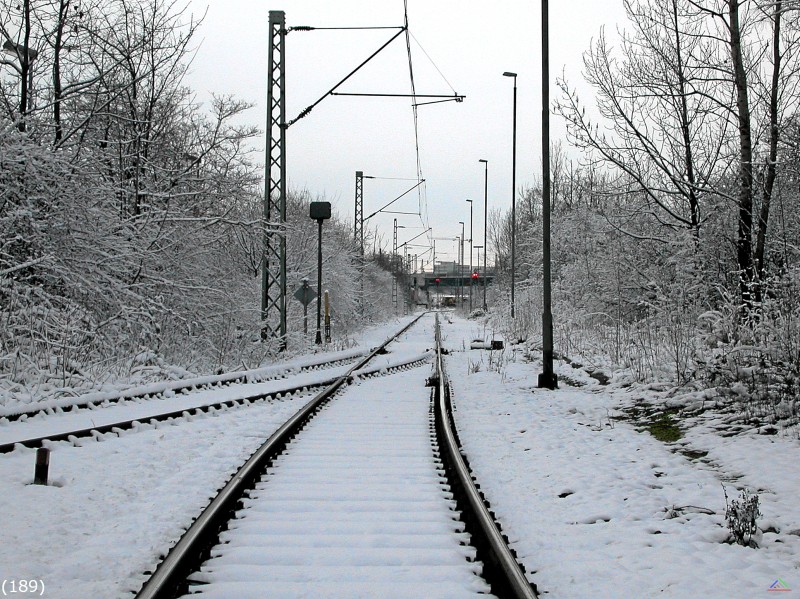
509, 74
18, 50
483, 160
470, 201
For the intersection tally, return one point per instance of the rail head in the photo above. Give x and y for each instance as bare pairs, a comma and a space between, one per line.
507, 573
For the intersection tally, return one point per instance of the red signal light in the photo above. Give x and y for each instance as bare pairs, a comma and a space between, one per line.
438, 281
474, 275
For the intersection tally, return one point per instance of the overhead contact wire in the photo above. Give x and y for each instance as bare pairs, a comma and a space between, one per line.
420, 195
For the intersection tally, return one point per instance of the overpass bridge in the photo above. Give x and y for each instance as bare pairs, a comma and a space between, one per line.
444, 289
444, 281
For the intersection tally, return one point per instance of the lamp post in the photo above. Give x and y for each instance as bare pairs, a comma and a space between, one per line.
470, 254
513, 193
457, 269
26, 56
548, 378
461, 267
485, 217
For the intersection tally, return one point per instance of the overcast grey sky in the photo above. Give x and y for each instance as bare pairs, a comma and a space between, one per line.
471, 43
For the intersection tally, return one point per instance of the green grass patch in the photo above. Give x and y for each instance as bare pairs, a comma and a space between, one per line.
662, 424
693, 454
664, 428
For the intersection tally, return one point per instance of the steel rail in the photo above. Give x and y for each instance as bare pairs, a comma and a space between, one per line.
502, 570
171, 574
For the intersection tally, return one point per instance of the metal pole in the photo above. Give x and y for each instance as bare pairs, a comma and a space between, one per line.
416, 283
273, 267
305, 308
461, 269
327, 317
42, 468
405, 279
319, 284
548, 378
478, 264
358, 234
485, 218
394, 267
358, 226
470, 255
514, 202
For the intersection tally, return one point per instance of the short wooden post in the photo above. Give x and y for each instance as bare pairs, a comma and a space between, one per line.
42, 466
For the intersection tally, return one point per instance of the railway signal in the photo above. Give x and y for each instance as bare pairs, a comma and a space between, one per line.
305, 295
320, 212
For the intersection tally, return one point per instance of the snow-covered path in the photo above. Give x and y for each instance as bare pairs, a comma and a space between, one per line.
598, 509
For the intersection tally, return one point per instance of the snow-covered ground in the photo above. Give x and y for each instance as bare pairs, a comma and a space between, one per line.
596, 508
114, 506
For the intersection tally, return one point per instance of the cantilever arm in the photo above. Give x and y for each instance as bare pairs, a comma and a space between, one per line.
335, 87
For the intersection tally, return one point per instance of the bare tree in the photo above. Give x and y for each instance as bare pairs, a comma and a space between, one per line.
777, 98
661, 124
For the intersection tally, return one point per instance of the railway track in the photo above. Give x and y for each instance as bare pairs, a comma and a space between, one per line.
127, 412
161, 390
362, 493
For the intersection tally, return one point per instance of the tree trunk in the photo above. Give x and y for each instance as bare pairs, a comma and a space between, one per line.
63, 7
744, 241
769, 178
25, 66
691, 180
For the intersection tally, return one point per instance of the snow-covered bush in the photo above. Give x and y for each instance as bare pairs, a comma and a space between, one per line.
742, 517
756, 360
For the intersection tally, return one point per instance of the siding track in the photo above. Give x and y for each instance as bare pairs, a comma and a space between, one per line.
127, 412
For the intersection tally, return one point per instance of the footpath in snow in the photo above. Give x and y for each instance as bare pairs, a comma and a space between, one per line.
596, 508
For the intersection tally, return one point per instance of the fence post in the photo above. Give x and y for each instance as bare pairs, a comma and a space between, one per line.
42, 466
